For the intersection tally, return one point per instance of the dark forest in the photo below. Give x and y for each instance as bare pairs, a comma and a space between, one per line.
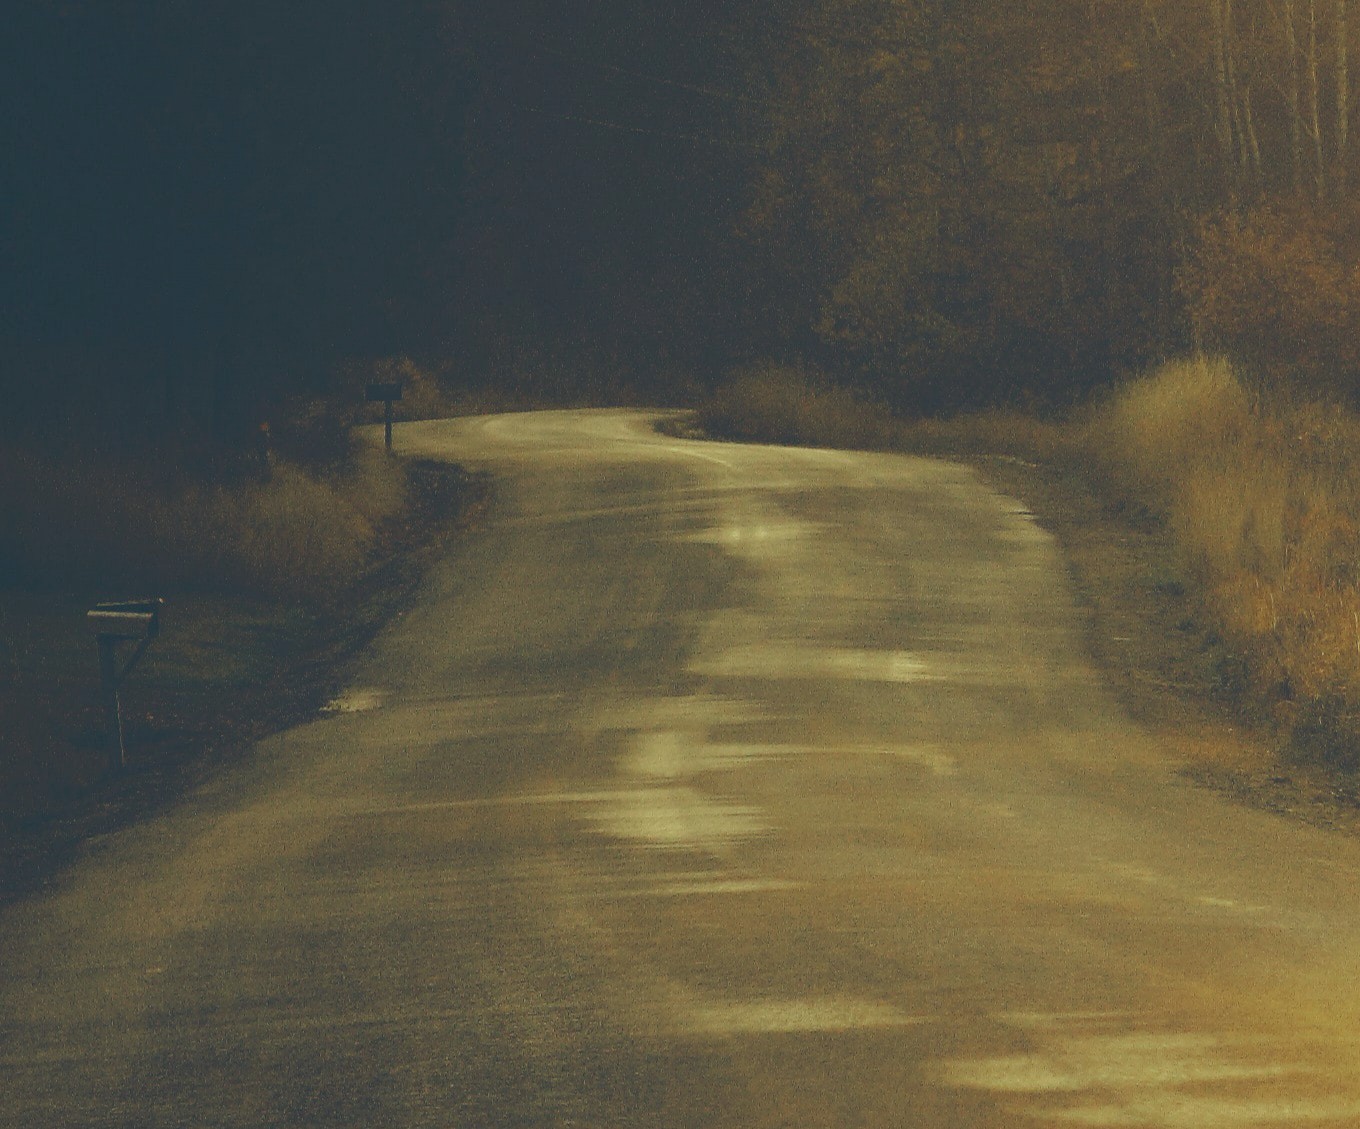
211, 209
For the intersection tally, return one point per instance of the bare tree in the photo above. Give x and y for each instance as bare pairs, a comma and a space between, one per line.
1246, 144
1251, 141
1294, 100
1220, 13
1314, 99
1343, 96
1167, 191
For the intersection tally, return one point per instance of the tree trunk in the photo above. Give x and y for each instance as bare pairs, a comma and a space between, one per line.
1251, 142
1100, 153
1223, 96
1166, 191
1239, 100
1314, 117
1343, 97
1292, 96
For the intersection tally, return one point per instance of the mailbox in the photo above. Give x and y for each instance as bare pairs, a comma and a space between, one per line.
386, 393
129, 621
390, 390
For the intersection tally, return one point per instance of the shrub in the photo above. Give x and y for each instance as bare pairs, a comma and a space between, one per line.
774, 403
1263, 497
294, 533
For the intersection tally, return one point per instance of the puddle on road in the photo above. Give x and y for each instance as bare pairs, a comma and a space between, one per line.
1171, 888
660, 811
927, 756
693, 884
802, 660
355, 700
672, 754
759, 537
1169, 1080
675, 817
719, 885
785, 1017
692, 711
663, 810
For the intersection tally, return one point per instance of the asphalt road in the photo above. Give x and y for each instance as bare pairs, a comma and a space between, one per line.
705, 786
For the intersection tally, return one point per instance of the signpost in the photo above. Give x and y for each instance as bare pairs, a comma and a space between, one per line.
387, 393
133, 621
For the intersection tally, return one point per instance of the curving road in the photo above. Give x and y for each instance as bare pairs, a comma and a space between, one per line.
705, 785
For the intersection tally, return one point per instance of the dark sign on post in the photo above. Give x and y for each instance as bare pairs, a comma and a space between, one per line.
133, 621
386, 392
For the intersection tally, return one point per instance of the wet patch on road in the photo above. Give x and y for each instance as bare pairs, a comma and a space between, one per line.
796, 659
357, 699
672, 754
675, 816
786, 1017
1087, 1071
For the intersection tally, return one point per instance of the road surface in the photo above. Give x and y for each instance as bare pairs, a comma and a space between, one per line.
705, 785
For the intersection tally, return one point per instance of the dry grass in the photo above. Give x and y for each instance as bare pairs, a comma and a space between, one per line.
785, 404
1264, 501
774, 403
291, 533
1009, 433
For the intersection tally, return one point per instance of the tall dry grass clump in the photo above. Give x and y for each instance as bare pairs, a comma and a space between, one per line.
1019, 435
775, 403
1263, 498
289, 532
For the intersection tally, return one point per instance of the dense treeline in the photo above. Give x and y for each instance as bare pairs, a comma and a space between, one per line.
988, 200
209, 207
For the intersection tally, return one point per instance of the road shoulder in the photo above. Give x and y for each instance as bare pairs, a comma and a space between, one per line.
1172, 674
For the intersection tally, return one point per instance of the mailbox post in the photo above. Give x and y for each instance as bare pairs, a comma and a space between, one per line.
133, 621
386, 393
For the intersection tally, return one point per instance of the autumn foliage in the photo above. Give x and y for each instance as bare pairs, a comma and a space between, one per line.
977, 202
1279, 288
